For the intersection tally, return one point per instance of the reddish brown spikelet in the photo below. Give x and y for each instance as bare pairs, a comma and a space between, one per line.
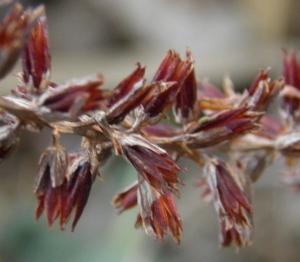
59, 200
50, 183
232, 205
174, 222
240, 237
36, 58
186, 99
124, 88
222, 127
262, 91
153, 164
78, 190
172, 69
52, 203
128, 95
168, 66
75, 97
14, 32
231, 196
291, 69
158, 213
49, 198
126, 199
184, 106
160, 130
291, 73
262, 76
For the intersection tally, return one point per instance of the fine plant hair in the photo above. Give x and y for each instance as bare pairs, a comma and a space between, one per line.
151, 124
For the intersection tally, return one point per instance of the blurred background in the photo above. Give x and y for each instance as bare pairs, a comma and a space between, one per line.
226, 37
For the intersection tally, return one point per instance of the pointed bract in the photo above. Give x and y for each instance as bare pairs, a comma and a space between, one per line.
53, 162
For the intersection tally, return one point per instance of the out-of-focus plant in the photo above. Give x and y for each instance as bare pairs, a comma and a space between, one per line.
126, 121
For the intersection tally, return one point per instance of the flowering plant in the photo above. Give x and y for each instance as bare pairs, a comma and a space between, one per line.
230, 135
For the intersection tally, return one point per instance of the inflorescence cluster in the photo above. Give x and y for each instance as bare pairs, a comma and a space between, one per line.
126, 121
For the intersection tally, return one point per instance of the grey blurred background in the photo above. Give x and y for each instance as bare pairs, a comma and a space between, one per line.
226, 37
